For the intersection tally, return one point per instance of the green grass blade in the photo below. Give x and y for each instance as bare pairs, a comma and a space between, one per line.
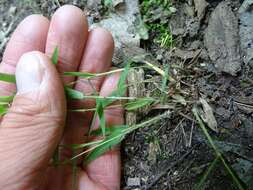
229, 169
202, 126
116, 136
7, 78
101, 104
240, 184
3, 109
121, 87
134, 105
91, 75
12, 79
80, 74
107, 145
199, 186
101, 116
110, 130
84, 145
55, 56
6, 99
73, 94
157, 69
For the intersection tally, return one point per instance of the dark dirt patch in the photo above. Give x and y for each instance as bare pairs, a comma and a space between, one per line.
159, 150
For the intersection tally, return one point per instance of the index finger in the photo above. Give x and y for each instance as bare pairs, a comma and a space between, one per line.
30, 35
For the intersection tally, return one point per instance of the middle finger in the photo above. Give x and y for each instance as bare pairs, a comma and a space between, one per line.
69, 32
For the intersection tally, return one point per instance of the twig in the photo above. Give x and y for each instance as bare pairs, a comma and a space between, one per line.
187, 117
184, 134
190, 139
194, 59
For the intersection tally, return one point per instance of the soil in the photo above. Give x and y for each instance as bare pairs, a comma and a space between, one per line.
208, 61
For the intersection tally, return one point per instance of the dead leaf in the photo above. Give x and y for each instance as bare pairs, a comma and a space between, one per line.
208, 116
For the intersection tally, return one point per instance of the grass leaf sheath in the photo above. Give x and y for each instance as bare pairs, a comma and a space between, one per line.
7, 78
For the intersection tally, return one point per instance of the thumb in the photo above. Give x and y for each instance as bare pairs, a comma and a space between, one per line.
32, 128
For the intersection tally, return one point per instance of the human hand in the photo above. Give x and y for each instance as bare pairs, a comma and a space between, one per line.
34, 125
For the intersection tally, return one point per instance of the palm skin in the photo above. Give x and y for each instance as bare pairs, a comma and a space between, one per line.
26, 153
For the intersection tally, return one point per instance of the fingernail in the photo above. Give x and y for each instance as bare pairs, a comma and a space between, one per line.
29, 72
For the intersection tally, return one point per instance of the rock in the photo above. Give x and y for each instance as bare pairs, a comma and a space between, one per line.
12, 10
222, 39
133, 182
200, 8
126, 27
246, 31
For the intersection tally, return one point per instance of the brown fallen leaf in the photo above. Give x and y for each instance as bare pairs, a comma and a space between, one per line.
207, 115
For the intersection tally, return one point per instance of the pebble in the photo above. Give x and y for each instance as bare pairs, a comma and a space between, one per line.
133, 181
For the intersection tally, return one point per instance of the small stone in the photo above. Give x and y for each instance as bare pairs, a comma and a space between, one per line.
203, 64
12, 10
133, 182
175, 173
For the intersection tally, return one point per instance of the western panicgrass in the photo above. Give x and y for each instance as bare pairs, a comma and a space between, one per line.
113, 135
